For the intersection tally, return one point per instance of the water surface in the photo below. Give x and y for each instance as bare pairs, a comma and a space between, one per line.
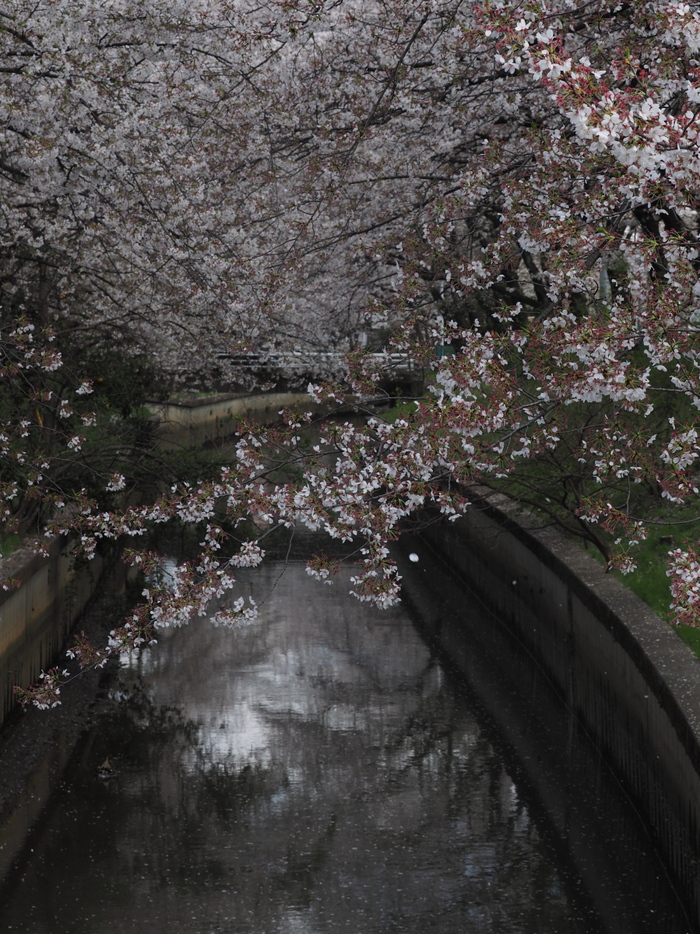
315, 772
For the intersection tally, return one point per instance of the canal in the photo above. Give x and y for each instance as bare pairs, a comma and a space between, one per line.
323, 770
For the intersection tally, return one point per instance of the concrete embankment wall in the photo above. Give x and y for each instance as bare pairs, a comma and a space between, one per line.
37, 615
188, 422
631, 683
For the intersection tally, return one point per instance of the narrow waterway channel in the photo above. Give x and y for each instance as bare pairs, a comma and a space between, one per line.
317, 772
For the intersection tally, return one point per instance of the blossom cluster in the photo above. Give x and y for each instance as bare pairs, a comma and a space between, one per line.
504, 194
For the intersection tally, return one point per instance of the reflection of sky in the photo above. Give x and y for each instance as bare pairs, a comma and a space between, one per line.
312, 664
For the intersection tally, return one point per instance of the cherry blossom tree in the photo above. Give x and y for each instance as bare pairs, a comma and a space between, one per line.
515, 181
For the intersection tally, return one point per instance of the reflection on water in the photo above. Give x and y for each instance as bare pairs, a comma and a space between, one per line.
315, 772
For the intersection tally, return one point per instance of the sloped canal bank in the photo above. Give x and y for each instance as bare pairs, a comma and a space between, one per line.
319, 771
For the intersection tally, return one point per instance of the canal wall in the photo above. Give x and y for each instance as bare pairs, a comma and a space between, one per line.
632, 685
46, 595
182, 423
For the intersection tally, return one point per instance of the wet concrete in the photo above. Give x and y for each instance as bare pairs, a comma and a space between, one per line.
627, 681
320, 771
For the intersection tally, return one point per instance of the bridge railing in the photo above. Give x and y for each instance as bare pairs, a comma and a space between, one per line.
316, 363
